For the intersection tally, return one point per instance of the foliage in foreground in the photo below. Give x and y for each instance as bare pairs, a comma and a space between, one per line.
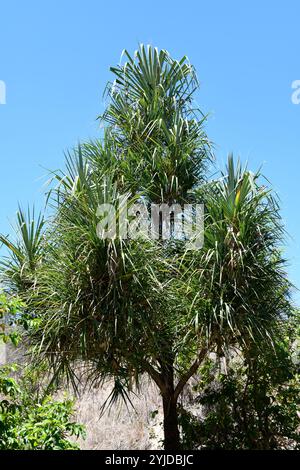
29, 421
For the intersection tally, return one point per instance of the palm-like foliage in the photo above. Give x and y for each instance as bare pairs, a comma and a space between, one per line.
239, 279
25, 253
162, 146
96, 299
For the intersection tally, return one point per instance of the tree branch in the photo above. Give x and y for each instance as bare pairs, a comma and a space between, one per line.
192, 370
156, 376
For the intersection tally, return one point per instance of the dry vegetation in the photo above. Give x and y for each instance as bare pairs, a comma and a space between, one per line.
121, 427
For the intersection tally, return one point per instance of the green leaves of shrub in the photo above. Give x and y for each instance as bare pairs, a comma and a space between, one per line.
28, 423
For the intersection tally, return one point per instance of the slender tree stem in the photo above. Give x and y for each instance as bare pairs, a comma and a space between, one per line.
192, 370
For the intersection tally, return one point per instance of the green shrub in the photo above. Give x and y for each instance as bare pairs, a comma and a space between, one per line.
254, 405
28, 421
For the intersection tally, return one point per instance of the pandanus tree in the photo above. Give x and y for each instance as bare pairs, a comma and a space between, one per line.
128, 307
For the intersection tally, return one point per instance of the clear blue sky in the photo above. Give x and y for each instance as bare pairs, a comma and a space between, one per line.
55, 58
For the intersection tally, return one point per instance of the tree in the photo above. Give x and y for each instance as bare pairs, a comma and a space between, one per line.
126, 307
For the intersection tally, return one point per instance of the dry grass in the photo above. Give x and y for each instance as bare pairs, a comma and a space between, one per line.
121, 427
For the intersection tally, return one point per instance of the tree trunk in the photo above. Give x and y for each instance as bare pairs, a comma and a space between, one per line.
171, 431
